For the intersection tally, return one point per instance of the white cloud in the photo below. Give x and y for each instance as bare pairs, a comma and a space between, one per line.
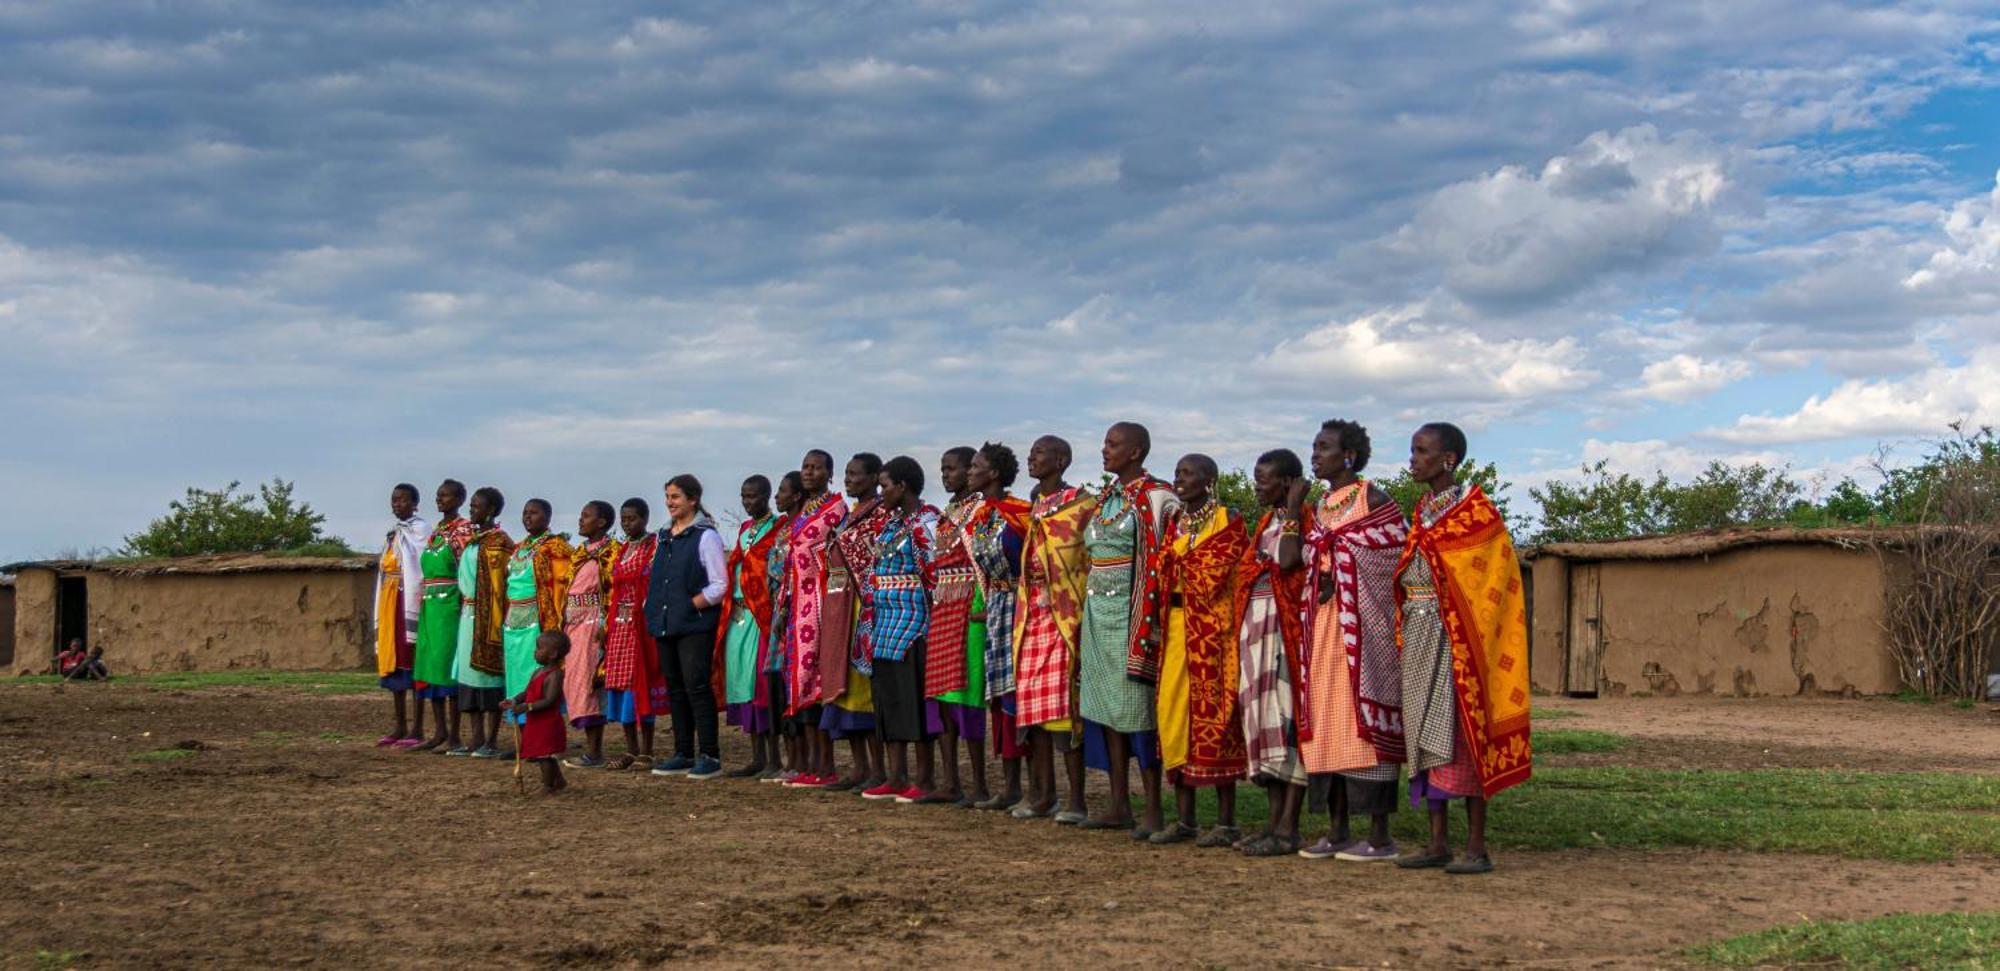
1920, 404
1623, 201
1971, 258
1685, 377
1402, 352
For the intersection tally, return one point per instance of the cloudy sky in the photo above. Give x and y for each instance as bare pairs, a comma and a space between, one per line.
572, 249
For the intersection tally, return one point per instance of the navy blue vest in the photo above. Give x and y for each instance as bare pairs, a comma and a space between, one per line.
677, 576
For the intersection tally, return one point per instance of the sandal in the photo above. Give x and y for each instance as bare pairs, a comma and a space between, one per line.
1423, 861
1177, 833
622, 763
584, 762
643, 763
1219, 838
1271, 845
997, 803
1470, 864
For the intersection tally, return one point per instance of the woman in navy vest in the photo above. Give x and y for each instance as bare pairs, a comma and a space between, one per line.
683, 606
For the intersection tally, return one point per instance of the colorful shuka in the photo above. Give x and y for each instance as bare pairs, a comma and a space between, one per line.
478, 664
542, 735
634, 689
399, 598
584, 612
437, 619
896, 588
948, 670
1054, 566
994, 532
537, 585
741, 637
772, 663
845, 659
1351, 721
1271, 646
1192, 614
1462, 626
805, 590
1119, 666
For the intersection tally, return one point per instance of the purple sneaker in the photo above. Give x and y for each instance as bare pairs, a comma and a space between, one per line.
1325, 849
1360, 851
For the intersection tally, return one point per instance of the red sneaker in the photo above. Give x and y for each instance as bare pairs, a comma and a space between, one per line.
909, 795
883, 791
807, 781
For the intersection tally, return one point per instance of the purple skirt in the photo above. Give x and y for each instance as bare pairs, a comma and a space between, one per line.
1097, 754
1423, 790
753, 718
841, 723
970, 723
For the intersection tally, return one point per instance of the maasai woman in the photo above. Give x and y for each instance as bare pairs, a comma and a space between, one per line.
583, 620
806, 691
993, 533
747, 601
1120, 665
955, 655
399, 591
899, 600
791, 497
437, 622
1193, 589
851, 711
537, 584
1054, 565
634, 689
1270, 584
1349, 734
683, 609
1462, 625
478, 665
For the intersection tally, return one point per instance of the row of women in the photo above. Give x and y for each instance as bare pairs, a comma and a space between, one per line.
1319, 652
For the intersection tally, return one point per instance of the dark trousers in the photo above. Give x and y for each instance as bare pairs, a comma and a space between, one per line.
689, 663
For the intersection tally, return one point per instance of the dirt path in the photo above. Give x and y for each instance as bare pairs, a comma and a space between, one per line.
270, 849
1759, 733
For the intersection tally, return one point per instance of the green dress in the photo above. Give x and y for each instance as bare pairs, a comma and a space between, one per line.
524, 618
437, 618
1105, 695
739, 645
462, 670
973, 695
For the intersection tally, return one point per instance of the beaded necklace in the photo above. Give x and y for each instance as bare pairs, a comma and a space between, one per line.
1192, 520
1435, 505
1343, 500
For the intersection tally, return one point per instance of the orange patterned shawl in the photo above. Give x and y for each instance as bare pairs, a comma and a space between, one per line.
1484, 609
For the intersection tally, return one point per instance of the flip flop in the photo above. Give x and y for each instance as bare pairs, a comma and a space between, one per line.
387, 740
1094, 823
407, 743
1219, 838
1070, 817
1176, 833
1470, 864
622, 763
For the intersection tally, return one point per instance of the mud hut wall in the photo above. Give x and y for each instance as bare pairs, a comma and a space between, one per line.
294, 620
34, 619
1548, 630
1763, 620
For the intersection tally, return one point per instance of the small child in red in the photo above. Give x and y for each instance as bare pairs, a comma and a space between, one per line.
544, 736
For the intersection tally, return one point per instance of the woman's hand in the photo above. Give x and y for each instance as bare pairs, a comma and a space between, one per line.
1295, 497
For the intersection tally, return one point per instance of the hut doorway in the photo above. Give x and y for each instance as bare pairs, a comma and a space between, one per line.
72, 611
1586, 631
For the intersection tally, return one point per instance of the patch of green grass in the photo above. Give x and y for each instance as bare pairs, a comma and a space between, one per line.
316, 682
1963, 703
1896, 941
162, 755
334, 737
329, 682
1562, 741
1911, 816
1910, 697
56, 959
270, 737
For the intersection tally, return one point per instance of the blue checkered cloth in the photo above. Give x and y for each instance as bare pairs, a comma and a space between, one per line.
899, 599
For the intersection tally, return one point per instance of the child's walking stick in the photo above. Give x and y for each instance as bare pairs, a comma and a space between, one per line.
517, 752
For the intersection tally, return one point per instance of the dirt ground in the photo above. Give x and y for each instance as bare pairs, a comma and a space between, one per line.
312, 847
